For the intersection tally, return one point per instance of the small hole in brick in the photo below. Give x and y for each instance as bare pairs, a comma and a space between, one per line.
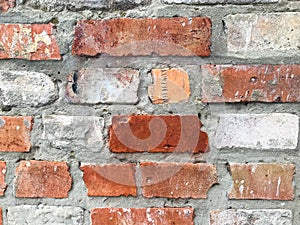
27, 123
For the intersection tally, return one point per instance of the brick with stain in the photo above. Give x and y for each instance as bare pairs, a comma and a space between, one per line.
148, 133
140, 37
2, 177
6, 5
28, 41
262, 181
157, 216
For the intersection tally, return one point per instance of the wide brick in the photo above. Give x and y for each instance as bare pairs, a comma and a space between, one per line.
84, 133
177, 180
169, 86
35, 179
257, 131
212, 2
110, 179
262, 181
252, 83
2, 178
252, 217
140, 37
28, 41
147, 133
26, 89
46, 215
6, 4
157, 216
263, 35
94, 85
15, 133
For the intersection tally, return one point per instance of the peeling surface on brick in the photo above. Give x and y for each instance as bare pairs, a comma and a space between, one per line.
2, 179
6, 5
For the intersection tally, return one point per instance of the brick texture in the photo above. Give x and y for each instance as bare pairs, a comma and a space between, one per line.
2, 178
1, 217
38, 179
138, 37
6, 4
140, 133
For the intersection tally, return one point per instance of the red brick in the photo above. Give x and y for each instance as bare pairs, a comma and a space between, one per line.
146, 216
262, 181
177, 180
6, 4
169, 134
2, 178
110, 179
35, 179
1, 217
133, 37
28, 41
252, 83
15, 133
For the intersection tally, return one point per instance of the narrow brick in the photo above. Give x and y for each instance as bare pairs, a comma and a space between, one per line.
177, 180
147, 133
15, 133
28, 41
1, 217
257, 131
213, 2
2, 178
169, 86
141, 37
251, 83
94, 85
110, 179
6, 5
157, 216
262, 181
38, 179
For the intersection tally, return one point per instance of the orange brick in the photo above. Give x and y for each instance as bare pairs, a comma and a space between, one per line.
6, 4
2, 178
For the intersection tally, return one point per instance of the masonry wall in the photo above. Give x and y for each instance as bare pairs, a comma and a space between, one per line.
149, 112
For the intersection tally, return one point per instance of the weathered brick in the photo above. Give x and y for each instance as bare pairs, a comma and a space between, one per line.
110, 179
252, 217
2, 179
6, 4
147, 133
46, 215
23, 89
35, 179
139, 37
94, 85
262, 181
258, 131
15, 133
263, 35
177, 180
169, 86
28, 41
262, 83
157, 216
212, 2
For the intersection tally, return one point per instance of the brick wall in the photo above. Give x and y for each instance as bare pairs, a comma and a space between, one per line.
149, 112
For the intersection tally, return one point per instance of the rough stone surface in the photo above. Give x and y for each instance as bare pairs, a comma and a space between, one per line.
169, 86
15, 133
261, 83
147, 133
26, 89
2, 179
110, 179
258, 131
6, 4
209, 2
252, 217
94, 85
47, 215
140, 37
251, 35
177, 180
36, 179
157, 216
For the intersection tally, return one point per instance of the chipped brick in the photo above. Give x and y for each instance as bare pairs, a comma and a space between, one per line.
2, 179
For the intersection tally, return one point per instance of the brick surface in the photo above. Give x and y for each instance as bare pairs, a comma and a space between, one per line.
177, 180
257, 131
169, 86
26, 89
110, 179
210, 2
263, 35
6, 4
133, 37
262, 83
28, 41
262, 181
2, 179
46, 215
252, 217
15, 133
140, 133
94, 85
35, 179
147, 216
